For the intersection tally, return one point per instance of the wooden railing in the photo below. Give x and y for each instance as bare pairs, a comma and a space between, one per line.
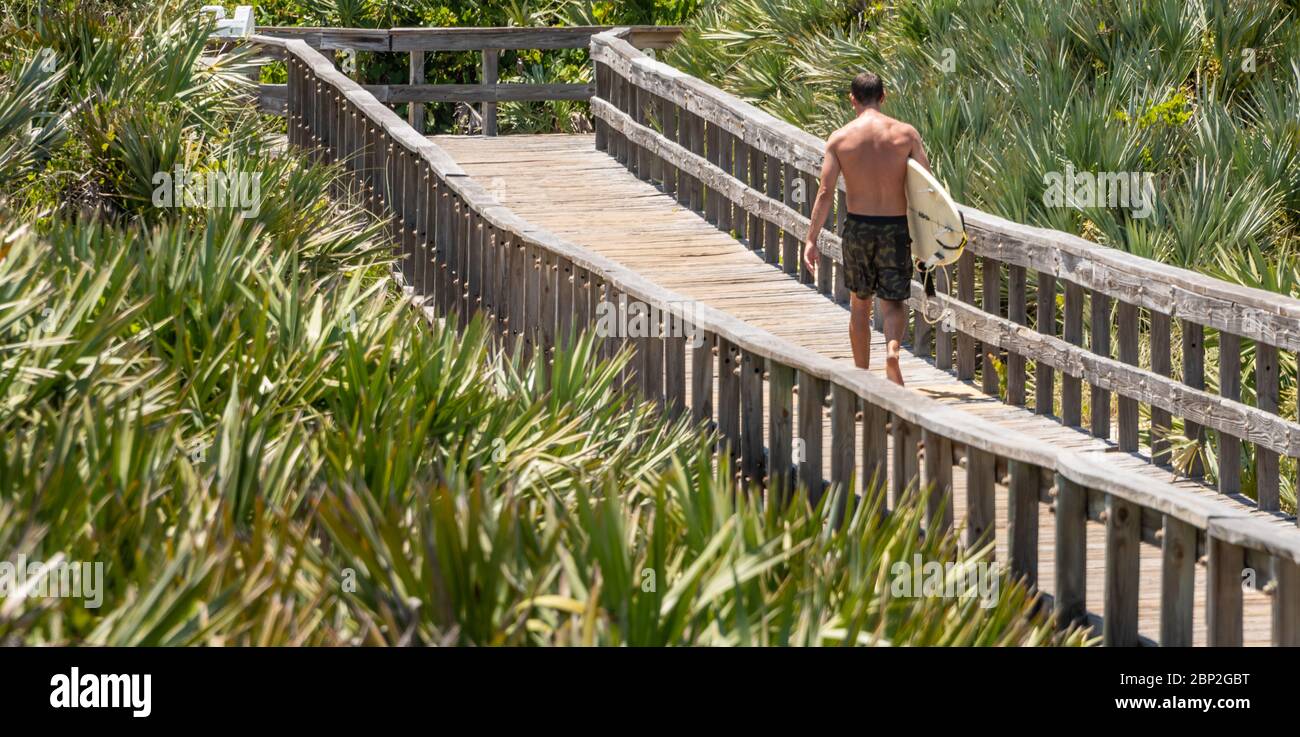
749, 169
463, 253
489, 42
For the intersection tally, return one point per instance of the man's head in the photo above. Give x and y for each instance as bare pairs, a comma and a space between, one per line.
867, 90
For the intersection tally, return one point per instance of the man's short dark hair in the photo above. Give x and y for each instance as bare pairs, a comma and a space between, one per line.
867, 88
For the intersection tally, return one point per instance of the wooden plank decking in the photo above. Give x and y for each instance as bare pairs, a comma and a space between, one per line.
563, 184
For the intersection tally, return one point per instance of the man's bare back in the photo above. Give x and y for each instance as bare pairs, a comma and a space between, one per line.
871, 153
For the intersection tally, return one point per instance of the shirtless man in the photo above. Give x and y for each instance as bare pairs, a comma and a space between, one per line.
872, 153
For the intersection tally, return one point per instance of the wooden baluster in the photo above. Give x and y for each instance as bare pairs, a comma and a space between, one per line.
943, 339
1229, 388
1194, 376
415, 110
490, 60
966, 293
667, 114
1022, 521
1128, 353
906, 476
992, 304
1045, 321
938, 477
1071, 389
1286, 603
1223, 615
702, 379
1071, 552
1017, 313
844, 410
780, 427
1161, 363
756, 227
1266, 394
1100, 329
875, 448
675, 373
1123, 537
811, 391
751, 417
724, 161
1177, 582
980, 514
775, 189
791, 247
729, 398
602, 72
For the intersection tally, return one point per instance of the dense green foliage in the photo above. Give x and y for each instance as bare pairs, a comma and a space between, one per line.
248, 425
1204, 95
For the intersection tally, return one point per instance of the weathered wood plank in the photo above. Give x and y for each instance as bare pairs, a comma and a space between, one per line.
1266, 395
1229, 388
1099, 396
1123, 536
1177, 582
1022, 521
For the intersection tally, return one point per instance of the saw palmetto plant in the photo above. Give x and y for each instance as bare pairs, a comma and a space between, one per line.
239, 415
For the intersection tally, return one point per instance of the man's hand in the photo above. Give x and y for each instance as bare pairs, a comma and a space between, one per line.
811, 254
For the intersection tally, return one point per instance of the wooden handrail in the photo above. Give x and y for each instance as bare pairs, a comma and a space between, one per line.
462, 252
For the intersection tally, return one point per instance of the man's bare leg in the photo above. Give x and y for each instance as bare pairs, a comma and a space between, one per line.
895, 319
860, 330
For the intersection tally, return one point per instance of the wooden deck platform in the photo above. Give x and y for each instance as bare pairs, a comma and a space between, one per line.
563, 184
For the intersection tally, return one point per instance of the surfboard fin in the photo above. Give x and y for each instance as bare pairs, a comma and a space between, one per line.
928, 282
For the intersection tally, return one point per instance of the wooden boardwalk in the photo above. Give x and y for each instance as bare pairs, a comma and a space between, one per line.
563, 184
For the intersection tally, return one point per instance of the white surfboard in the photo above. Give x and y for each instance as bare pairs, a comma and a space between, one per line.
937, 229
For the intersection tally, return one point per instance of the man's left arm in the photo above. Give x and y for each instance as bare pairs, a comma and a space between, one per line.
821, 207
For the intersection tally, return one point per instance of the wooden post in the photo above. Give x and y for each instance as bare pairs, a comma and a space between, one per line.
1229, 388
1123, 536
980, 513
415, 110
490, 59
1223, 615
938, 477
1194, 376
1161, 420
992, 304
1128, 353
1266, 392
1286, 603
1022, 522
1071, 551
966, 293
780, 427
1100, 404
751, 416
1017, 313
844, 409
1045, 319
1071, 389
1177, 582
811, 391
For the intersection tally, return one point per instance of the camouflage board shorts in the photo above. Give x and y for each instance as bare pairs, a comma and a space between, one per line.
877, 256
